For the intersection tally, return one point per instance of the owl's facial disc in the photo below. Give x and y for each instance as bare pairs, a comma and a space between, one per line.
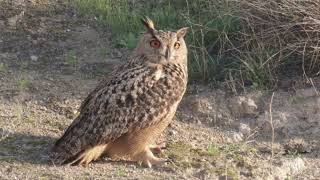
165, 45
161, 45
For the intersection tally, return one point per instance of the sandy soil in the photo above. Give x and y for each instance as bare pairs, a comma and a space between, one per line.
50, 58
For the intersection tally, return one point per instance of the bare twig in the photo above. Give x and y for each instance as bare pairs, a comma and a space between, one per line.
314, 87
272, 127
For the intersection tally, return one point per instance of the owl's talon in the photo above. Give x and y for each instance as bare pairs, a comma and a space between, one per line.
157, 149
154, 161
147, 164
148, 159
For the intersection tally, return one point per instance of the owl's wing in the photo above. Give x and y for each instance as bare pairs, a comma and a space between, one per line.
134, 98
100, 86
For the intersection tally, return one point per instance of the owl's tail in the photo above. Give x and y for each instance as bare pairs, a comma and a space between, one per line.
66, 154
68, 146
72, 149
61, 153
84, 157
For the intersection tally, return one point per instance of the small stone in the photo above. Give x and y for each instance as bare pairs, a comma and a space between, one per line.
34, 58
237, 137
43, 108
172, 132
242, 106
244, 129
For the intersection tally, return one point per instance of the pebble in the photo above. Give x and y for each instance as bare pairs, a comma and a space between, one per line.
244, 129
242, 106
237, 136
34, 58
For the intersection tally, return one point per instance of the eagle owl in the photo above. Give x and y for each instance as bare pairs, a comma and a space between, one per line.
124, 114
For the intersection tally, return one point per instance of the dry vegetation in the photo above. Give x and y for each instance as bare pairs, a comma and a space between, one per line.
283, 36
246, 43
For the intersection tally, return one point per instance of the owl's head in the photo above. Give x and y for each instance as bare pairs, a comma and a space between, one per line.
158, 45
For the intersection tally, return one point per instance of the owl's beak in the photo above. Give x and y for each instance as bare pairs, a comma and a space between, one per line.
168, 54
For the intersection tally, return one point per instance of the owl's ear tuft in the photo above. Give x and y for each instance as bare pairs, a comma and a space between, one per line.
147, 22
182, 32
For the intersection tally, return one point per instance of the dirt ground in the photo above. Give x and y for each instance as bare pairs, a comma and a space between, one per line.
50, 58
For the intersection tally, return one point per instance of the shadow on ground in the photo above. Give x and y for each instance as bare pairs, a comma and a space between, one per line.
32, 149
25, 148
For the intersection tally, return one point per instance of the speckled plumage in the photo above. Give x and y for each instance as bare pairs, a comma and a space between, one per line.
123, 115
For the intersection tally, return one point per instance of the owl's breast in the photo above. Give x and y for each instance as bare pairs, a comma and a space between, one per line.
160, 101
149, 95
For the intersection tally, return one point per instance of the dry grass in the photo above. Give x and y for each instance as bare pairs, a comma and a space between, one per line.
272, 126
286, 31
249, 43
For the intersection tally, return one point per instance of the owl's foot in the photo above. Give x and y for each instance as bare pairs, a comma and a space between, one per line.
155, 161
148, 159
157, 149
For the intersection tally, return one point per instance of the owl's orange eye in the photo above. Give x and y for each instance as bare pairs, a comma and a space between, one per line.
177, 45
155, 43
